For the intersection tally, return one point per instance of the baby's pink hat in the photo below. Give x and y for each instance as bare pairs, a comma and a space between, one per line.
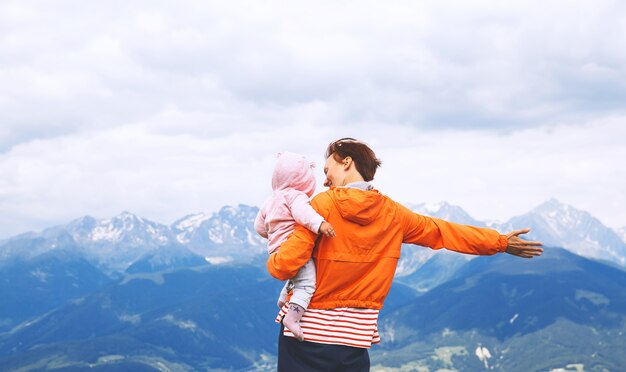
293, 171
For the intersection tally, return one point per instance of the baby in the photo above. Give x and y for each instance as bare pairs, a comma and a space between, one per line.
293, 183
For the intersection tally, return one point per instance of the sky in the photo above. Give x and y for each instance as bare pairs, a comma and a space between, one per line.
165, 109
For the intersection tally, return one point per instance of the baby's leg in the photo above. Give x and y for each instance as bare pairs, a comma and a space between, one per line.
284, 293
304, 287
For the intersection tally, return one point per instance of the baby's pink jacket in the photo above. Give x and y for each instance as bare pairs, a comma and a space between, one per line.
293, 182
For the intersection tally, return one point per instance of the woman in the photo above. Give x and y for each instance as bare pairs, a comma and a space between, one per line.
356, 267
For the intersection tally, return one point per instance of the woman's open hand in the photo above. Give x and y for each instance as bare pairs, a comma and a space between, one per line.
520, 247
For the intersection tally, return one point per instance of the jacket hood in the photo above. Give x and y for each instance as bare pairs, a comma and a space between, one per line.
293, 171
358, 206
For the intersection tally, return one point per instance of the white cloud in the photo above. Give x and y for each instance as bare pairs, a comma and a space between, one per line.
161, 177
160, 109
499, 176
164, 177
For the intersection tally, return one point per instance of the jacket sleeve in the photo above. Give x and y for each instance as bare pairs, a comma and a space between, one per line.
436, 234
304, 214
259, 223
292, 255
298, 248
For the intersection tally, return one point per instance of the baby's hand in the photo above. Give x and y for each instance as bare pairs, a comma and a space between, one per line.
326, 229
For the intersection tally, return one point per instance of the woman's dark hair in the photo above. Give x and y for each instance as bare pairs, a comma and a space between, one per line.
363, 156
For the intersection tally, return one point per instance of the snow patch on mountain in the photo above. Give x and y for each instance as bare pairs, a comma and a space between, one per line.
573, 367
132, 319
106, 231
188, 325
216, 236
191, 221
252, 237
218, 260
185, 227
39, 274
433, 207
125, 227
483, 355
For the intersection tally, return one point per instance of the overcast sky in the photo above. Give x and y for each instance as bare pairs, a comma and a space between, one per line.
169, 108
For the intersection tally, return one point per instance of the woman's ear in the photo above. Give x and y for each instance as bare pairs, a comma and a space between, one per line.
347, 161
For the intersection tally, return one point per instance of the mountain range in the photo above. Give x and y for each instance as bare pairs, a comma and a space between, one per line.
560, 312
115, 244
127, 293
553, 223
195, 318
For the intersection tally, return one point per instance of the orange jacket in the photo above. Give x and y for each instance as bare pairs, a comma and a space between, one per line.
356, 267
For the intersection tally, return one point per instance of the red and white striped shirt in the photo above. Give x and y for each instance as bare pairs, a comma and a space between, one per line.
342, 326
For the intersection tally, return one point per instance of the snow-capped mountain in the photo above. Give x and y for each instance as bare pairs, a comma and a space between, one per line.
118, 242
553, 223
561, 225
186, 226
115, 244
112, 244
125, 228
224, 236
